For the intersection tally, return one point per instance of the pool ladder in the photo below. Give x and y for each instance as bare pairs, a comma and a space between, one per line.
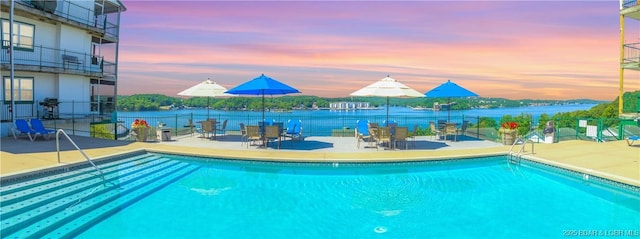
101, 174
515, 157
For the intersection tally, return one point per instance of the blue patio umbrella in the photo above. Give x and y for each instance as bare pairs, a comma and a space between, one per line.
449, 90
262, 85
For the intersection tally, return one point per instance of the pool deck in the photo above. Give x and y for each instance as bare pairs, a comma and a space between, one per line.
612, 160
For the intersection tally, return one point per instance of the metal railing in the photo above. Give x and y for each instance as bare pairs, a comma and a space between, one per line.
517, 156
83, 14
48, 59
629, 3
74, 117
61, 131
631, 53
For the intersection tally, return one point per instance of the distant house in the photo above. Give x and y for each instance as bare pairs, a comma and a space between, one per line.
65, 58
349, 105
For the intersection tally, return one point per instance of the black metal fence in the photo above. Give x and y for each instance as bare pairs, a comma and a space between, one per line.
118, 126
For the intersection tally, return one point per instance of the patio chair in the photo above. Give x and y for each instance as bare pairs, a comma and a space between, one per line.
208, 127
450, 129
243, 134
223, 128
463, 128
253, 134
441, 124
272, 133
22, 128
412, 135
191, 126
36, 125
362, 132
383, 135
436, 133
294, 130
401, 135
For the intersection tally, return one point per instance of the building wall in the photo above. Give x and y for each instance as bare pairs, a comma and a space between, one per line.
54, 40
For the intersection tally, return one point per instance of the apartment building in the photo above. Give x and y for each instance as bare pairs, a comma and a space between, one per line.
64, 59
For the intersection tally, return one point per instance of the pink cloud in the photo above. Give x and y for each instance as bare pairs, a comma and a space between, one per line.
332, 49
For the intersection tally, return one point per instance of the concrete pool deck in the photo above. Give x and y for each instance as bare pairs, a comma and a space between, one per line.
613, 160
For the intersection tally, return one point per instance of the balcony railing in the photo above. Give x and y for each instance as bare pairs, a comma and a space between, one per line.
629, 3
631, 53
73, 11
47, 59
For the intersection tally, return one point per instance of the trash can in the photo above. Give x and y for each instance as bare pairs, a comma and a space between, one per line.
165, 134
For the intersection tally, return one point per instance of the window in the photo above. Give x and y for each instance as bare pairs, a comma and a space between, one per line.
22, 89
22, 35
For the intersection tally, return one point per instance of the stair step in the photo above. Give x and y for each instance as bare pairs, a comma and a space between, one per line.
12, 189
55, 211
80, 184
75, 225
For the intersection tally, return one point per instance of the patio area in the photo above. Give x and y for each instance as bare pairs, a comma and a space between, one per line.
613, 160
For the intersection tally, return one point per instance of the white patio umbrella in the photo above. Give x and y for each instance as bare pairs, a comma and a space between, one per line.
388, 87
207, 89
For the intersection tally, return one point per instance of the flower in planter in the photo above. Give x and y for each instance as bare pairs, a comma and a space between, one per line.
139, 124
510, 125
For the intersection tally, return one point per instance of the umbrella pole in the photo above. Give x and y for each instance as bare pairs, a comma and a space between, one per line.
387, 121
448, 109
263, 106
208, 99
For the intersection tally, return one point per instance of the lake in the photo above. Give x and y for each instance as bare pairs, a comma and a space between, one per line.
322, 122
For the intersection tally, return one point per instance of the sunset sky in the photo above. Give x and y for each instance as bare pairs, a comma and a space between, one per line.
508, 49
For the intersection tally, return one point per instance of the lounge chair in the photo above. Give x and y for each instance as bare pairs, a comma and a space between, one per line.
632, 139
22, 128
294, 130
36, 125
362, 132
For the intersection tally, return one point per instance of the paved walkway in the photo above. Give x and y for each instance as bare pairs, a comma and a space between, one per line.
613, 160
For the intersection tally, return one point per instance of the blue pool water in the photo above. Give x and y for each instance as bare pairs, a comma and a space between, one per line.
479, 198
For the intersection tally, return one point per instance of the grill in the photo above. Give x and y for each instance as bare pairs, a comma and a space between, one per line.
49, 105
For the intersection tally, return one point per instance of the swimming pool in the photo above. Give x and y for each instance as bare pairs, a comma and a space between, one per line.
481, 197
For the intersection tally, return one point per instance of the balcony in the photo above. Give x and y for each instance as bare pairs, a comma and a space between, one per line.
61, 61
631, 59
101, 18
631, 9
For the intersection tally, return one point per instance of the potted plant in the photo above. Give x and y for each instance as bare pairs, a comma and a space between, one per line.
141, 128
509, 132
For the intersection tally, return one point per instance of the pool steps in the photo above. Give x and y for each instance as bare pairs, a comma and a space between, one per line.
63, 205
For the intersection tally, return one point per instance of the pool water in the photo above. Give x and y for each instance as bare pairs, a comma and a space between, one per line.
478, 198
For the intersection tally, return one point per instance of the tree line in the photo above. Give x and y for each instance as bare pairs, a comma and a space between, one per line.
154, 102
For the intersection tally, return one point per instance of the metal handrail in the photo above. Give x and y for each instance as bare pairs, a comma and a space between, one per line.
58, 132
524, 144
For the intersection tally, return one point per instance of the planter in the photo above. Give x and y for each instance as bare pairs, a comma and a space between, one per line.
508, 136
141, 134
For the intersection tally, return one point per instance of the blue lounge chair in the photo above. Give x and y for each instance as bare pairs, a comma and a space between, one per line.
294, 130
22, 127
362, 132
632, 139
37, 126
